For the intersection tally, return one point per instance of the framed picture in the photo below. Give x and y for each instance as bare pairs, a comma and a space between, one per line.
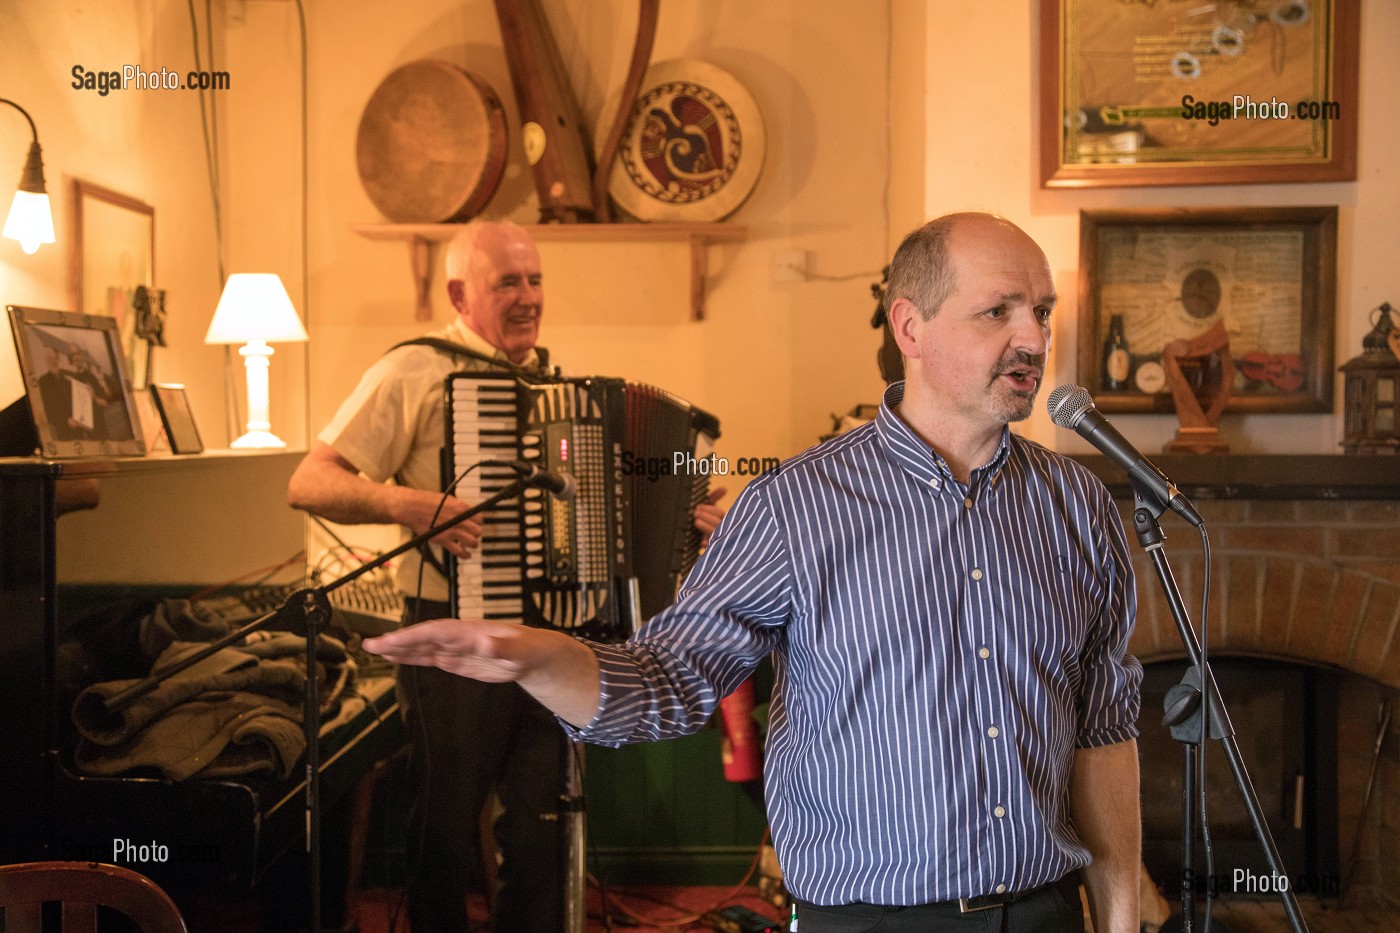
113, 271
1233, 92
177, 417
78, 390
1150, 277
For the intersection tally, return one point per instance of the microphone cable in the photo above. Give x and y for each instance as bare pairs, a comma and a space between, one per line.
1207, 693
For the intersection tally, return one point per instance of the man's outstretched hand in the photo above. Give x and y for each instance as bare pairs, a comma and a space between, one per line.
559, 671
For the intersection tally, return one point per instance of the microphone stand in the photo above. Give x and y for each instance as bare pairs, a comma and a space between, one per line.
306, 612
1183, 715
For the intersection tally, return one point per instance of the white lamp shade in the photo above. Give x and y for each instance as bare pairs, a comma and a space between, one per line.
255, 307
30, 220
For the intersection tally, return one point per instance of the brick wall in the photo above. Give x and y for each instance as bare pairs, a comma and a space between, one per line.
1313, 581
1316, 581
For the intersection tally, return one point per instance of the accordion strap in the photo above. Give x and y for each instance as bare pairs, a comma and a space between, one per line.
457, 349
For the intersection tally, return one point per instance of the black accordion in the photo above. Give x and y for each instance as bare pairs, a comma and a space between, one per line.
614, 555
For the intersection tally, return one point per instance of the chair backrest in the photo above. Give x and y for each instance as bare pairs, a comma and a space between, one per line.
82, 887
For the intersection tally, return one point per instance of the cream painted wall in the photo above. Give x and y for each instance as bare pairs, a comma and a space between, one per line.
145, 144
772, 360
871, 128
981, 104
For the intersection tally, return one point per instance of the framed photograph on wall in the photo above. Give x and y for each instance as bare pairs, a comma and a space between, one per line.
1232, 92
1150, 277
77, 387
177, 417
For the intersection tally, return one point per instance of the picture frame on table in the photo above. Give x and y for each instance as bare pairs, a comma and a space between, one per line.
177, 417
1151, 277
1222, 93
76, 384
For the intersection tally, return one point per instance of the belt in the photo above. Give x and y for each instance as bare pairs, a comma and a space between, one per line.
970, 905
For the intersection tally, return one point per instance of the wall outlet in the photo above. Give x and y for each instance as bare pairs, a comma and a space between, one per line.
790, 265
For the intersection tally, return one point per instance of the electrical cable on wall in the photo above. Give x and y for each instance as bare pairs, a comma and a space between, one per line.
232, 416
305, 223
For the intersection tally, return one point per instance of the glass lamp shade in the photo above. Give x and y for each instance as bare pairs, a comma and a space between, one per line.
30, 220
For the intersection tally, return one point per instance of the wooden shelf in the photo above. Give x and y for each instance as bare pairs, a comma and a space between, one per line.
422, 239
1264, 476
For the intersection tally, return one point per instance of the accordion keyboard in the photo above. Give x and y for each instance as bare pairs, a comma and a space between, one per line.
488, 583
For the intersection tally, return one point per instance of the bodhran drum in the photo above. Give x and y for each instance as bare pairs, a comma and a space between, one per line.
432, 143
693, 147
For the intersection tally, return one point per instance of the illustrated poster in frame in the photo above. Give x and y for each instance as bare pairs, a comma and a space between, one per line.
1173, 93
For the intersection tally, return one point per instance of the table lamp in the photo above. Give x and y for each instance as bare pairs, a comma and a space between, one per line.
255, 310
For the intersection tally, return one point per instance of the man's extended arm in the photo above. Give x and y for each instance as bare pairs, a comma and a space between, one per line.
559, 671
1104, 804
329, 485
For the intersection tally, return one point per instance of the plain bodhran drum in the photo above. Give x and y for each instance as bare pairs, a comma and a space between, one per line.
693, 147
432, 144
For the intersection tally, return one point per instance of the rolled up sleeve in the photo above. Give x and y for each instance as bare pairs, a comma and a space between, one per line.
1110, 698
666, 680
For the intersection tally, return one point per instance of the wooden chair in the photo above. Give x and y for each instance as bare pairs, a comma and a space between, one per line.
82, 887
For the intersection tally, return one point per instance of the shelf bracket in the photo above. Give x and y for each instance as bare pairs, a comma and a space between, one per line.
699, 269
420, 257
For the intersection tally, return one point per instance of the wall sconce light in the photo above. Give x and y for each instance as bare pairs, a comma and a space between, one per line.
30, 220
255, 310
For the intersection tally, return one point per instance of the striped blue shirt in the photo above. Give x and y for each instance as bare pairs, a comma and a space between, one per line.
940, 650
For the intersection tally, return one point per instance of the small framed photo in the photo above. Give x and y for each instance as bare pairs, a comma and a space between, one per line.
177, 417
78, 390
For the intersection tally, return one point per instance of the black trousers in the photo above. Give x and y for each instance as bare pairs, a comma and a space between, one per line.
1054, 908
469, 737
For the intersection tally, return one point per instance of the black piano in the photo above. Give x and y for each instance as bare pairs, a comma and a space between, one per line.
76, 532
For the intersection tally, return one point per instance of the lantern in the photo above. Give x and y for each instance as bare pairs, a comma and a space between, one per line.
1372, 389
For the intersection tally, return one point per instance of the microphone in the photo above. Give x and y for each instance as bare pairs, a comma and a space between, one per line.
1072, 407
560, 485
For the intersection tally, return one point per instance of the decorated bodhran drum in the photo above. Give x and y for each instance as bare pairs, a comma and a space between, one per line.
693, 147
432, 144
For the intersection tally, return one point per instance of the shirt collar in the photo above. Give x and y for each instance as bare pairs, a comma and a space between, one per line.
461, 333
919, 459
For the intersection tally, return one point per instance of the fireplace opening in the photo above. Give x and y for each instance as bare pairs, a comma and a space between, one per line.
1285, 719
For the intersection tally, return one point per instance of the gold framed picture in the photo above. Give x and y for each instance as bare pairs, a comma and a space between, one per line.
1233, 92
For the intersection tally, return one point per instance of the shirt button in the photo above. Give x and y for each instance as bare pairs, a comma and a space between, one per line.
999, 812
976, 573
1001, 889
935, 482
983, 653
993, 732
967, 503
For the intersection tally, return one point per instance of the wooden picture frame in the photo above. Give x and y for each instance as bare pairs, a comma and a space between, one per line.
1115, 79
177, 417
113, 255
74, 377
1270, 274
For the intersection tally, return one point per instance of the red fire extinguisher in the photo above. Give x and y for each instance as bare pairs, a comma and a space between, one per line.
740, 748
